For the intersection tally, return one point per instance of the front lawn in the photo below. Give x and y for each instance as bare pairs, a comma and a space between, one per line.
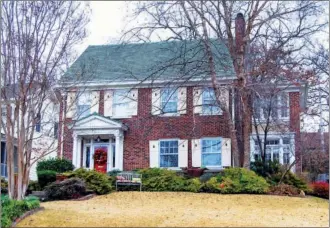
163, 209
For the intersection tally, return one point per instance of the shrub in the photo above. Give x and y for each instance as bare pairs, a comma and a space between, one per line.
205, 177
33, 186
156, 179
46, 177
240, 180
320, 189
58, 165
284, 189
265, 169
290, 179
4, 185
12, 209
114, 172
95, 181
68, 189
212, 185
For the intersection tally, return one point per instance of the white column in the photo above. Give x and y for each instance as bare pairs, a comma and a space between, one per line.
78, 152
74, 151
119, 151
109, 156
281, 151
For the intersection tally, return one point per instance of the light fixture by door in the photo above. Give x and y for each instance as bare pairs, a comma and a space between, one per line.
98, 139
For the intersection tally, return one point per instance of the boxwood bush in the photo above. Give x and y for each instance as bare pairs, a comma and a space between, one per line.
12, 209
59, 165
95, 181
46, 177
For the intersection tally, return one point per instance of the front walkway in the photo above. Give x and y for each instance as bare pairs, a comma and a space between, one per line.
182, 209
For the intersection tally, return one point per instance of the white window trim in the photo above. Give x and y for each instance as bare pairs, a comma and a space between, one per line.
208, 114
213, 166
159, 155
114, 116
86, 102
279, 114
162, 113
280, 137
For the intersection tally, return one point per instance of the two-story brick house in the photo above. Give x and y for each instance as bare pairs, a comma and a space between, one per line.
115, 99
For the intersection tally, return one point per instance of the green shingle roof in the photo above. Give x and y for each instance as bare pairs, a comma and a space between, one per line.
152, 61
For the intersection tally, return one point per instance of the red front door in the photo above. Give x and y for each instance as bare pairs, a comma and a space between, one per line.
100, 158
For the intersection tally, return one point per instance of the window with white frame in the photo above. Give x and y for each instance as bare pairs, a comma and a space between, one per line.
211, 152
168, 153
273, 148
275, 107
210, 106
3, 111
169, 100
120, 103
84, 104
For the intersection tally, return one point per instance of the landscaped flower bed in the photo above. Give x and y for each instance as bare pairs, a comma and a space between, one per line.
320, 189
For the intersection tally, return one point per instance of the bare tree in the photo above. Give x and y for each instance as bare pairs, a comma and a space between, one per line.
37, 41
281, 26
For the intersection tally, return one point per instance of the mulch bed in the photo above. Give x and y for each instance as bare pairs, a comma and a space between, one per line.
28, 213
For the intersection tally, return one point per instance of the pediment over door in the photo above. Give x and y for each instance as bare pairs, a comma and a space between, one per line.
95, 121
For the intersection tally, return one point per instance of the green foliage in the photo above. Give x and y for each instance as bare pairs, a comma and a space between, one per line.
4, 185
205, 177
290, 179
155, 179
273, 173
68, 189
114, 172
33, 186
265, 169
95, 181
237, 180
12, 209
46, 177
55, 164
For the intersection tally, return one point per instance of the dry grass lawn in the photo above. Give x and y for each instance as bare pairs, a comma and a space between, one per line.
161, 209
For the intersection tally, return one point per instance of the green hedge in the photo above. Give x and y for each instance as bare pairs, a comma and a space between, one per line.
155, 179
12, 209
46, 177
237, 180
95, 181
58, 165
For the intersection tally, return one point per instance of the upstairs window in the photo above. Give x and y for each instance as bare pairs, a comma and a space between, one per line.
120, 103
273, 107
84, 104
210, 106
169, 100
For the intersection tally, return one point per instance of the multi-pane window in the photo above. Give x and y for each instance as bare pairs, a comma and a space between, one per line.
84, 104
168, 153
274, 107
211, 152
210, 106
274, 147
121, 103
169, 100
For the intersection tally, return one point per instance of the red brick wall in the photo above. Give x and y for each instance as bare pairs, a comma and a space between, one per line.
294, 98
145, 127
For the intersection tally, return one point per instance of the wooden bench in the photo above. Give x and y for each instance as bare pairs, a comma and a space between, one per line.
129, 178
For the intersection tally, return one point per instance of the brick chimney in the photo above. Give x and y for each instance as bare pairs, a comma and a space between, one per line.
239, 32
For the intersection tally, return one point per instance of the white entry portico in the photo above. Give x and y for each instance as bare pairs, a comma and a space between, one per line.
94, 132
